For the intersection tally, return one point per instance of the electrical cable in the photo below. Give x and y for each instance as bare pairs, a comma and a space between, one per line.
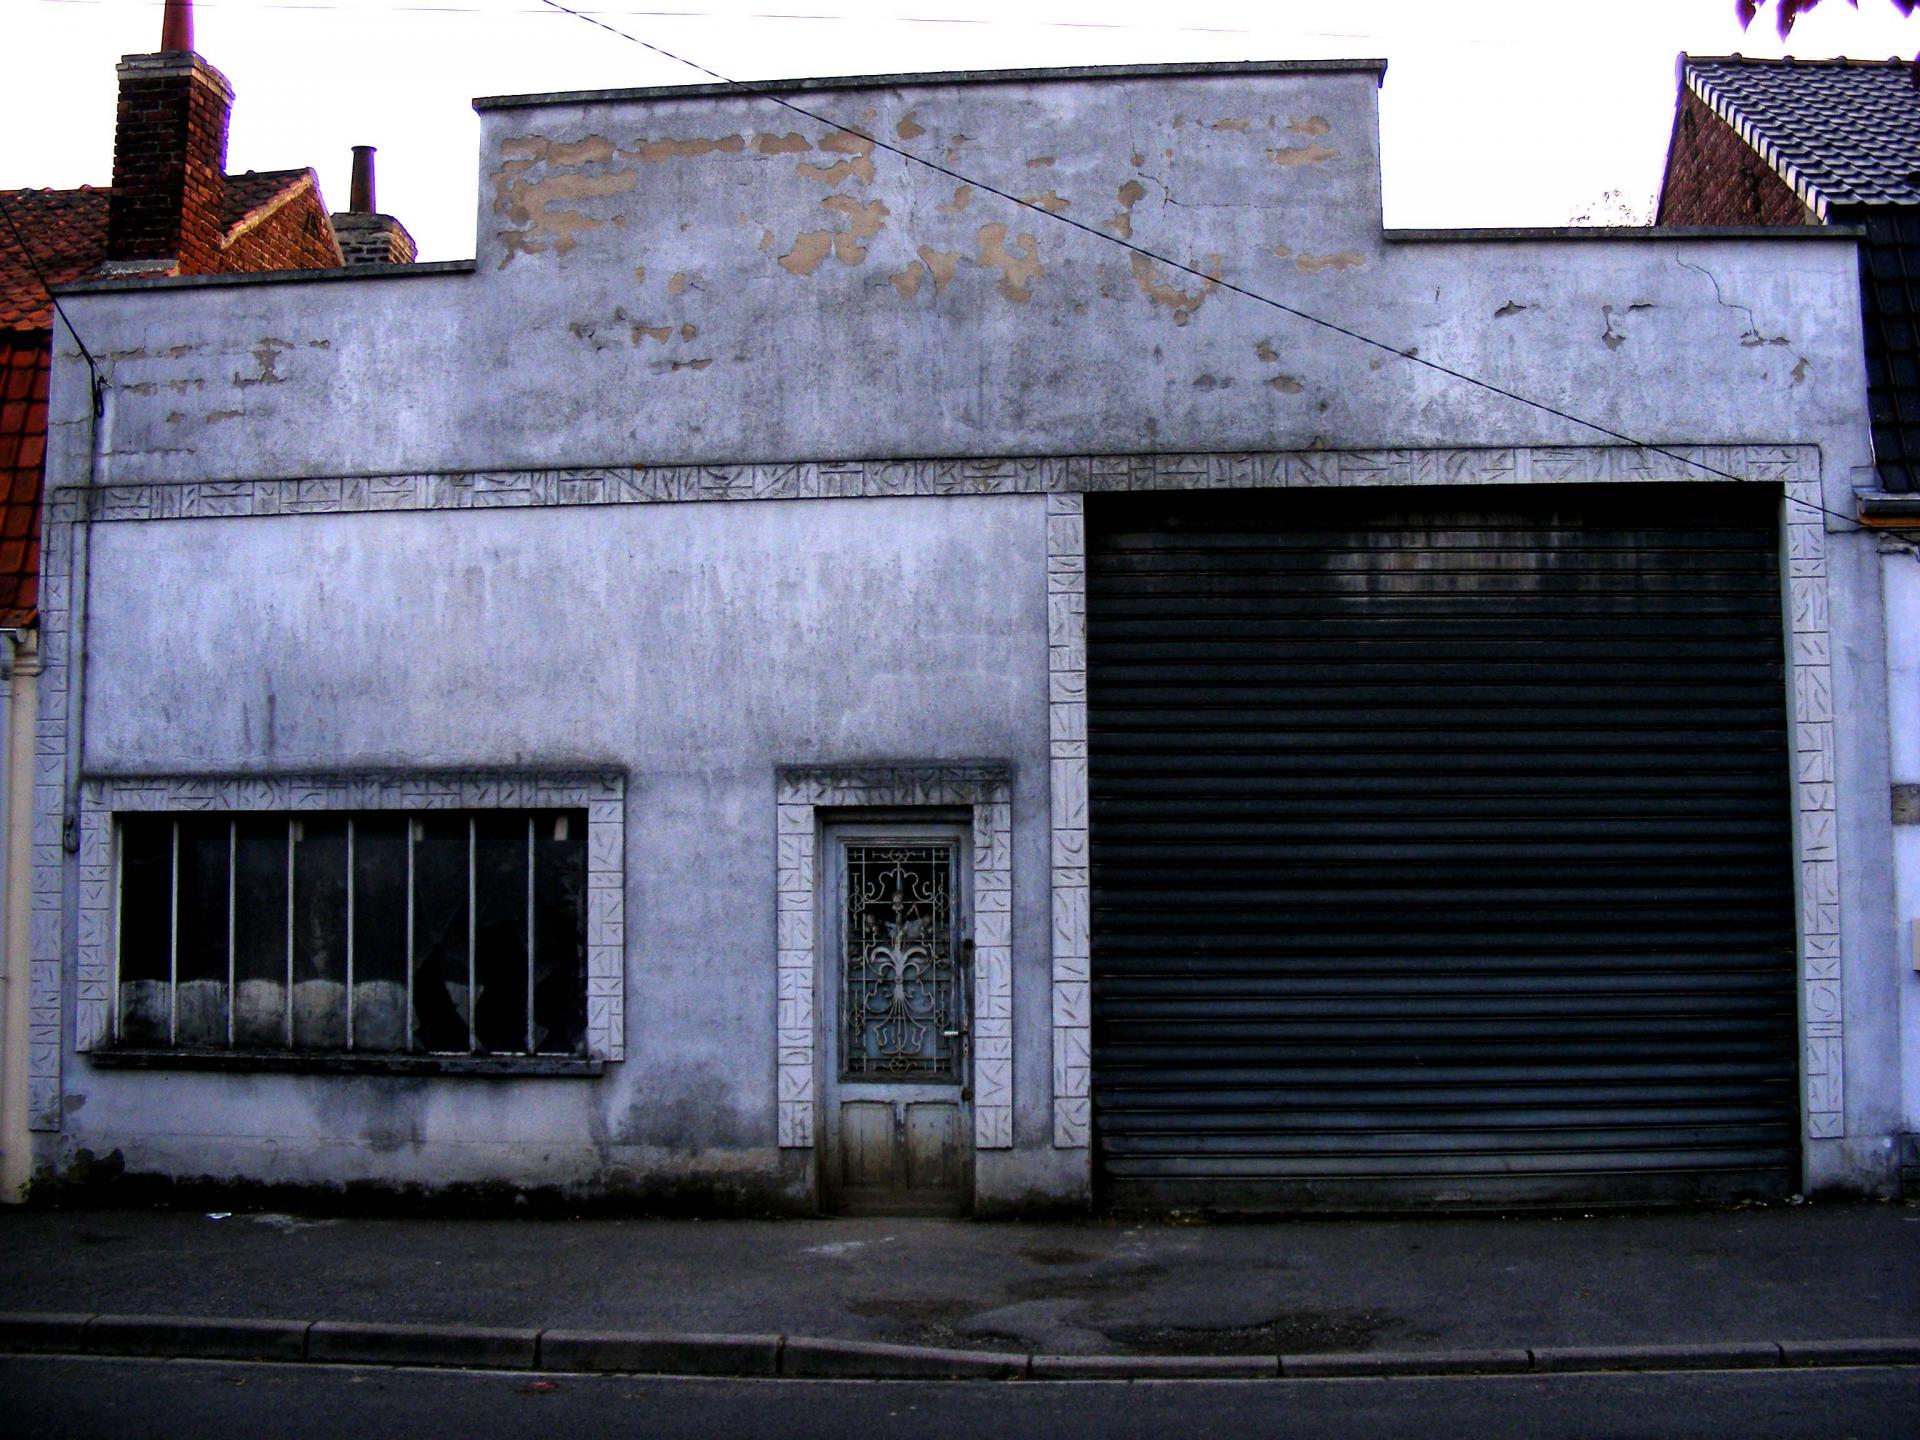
1406, 353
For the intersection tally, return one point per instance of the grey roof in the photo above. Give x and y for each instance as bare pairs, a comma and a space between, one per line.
1841, 132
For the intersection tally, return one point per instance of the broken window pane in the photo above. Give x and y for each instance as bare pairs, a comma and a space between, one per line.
380, 1019
320, 932
146, 929
440, 932
560, 931
260, 931
200, 1015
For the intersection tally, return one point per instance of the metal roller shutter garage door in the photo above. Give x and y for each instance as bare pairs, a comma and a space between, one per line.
1441, 848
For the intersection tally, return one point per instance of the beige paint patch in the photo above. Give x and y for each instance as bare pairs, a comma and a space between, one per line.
1040, 162
678, 284
941, 264
655, 152
1286, 384
1131, 194
267, 356
1234, 123
962, 196
909, 280
687, 332
214, 417
660, 334
640, 273
810, 247
593, 150
1137, 160
1342, 260
1312, 125
1266, 351
767, 242
909, 128
863, 223
844, 142
791, 143
1292, 155
1050, 202
1180, 302
692, 364
1283, 251
1018, 268
539, 210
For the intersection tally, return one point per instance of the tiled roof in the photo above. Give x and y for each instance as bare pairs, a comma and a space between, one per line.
68, 232
1841, 132
23, 444
255, 190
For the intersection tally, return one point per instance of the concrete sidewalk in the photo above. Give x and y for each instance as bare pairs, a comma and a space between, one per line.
1760, 1277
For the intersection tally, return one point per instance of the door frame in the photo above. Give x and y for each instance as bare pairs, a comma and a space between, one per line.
806, 797
933, 826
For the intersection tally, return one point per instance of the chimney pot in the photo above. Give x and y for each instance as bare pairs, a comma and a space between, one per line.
362, 201
176, 26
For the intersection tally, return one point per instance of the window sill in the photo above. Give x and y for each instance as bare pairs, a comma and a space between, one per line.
282, 1062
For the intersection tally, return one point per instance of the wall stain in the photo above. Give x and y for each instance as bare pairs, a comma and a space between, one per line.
1312, 125
654, 152
1018, 269
961, 196
810, 247
1137, 160
941, 264
678, 284
1040, 162
1050, 202
537, 210
692, 364
1344, 260
953, 147
1179, 301
1131, 194
791, 143
1286, 384
1266, 351
909, 128
214, 417
909, 280
267, 356
1800, 370
863, 223
1283, 251
860, 165
1234, 123
1292, 155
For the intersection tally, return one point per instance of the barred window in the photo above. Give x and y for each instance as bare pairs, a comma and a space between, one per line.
449, 932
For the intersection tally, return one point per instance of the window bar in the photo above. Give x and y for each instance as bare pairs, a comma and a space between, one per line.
412, 830
292, 825
530, 841
173, 943
473, 1010
349, 932
233, 882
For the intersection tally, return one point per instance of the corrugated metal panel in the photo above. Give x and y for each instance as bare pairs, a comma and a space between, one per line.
1441, 848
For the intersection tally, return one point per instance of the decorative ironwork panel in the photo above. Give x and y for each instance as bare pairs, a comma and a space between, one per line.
899, 996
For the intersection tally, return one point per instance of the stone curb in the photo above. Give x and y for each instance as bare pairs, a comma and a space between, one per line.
612, 1352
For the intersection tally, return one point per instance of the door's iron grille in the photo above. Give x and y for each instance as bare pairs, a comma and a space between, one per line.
897, 1002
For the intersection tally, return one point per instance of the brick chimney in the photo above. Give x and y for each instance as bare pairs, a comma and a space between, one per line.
169, 156
366, 236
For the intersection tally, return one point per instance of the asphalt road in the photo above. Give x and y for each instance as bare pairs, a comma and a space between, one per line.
151, 1400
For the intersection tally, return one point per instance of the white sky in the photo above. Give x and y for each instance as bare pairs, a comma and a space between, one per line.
1494, 112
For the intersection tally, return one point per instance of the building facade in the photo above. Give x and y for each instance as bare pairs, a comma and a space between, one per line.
795, 681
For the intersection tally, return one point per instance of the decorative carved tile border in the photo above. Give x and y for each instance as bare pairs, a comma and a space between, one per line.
601, 794
1006, 475
987, 789
1064, 480
1067, 799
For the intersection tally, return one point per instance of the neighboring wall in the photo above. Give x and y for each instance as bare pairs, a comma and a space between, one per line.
697, 281
1715, 178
